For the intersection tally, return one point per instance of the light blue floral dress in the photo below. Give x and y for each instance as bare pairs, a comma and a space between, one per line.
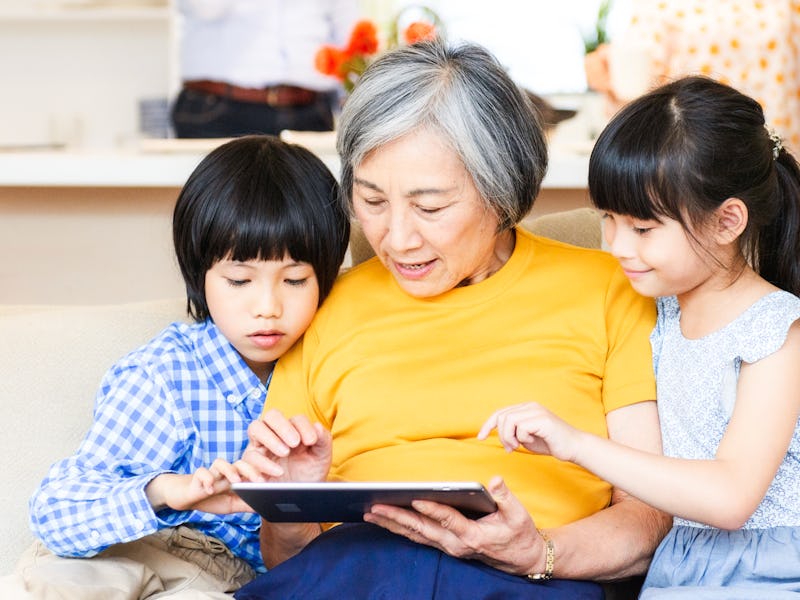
696, 382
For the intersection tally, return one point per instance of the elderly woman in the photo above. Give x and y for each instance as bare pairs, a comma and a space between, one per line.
460, 313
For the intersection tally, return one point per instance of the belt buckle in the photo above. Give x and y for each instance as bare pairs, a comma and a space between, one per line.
273, 96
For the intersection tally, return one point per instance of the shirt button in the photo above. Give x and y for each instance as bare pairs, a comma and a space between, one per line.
95, 534
231, 398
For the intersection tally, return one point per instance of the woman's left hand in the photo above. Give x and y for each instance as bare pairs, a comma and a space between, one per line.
506, 539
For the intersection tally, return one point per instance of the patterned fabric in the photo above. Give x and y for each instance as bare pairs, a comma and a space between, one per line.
172, 406
696, 383
748, 44
744, 564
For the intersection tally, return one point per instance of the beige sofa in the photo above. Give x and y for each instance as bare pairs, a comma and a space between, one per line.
53, 357
51, 362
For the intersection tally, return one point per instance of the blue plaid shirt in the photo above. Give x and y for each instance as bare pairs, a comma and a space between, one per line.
171, 406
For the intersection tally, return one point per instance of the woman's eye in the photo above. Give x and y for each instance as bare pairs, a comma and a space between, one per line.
429, 210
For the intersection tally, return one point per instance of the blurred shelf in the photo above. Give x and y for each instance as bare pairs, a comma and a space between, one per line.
127, 12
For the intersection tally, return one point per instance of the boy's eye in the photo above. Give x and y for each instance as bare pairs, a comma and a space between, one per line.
296, 282
236, 282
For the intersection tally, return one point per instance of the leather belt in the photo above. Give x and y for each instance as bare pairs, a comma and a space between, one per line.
278, 96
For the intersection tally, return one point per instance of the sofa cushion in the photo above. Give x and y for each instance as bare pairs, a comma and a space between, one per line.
52, 359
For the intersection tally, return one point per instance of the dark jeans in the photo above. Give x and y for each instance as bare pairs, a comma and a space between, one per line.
199, 115
369, 563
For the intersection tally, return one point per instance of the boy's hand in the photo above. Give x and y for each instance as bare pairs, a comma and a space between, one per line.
535, 428
208, 490
286, 449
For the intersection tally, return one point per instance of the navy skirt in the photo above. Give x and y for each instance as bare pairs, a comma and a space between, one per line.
364, 561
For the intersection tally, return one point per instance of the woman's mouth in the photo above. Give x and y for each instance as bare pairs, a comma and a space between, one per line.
417, 270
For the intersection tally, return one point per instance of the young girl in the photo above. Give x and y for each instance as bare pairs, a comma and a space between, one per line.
259, 236
701, 209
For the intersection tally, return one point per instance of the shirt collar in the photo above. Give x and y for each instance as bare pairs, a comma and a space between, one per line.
227, 369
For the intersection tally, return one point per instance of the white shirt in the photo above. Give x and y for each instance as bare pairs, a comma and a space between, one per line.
258, 43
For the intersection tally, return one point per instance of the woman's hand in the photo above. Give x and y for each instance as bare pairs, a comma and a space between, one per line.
282, 449
535, 428
506, 539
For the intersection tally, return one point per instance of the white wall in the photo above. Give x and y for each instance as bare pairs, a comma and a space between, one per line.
76, 78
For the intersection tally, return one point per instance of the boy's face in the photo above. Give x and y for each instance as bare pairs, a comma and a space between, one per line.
262, 306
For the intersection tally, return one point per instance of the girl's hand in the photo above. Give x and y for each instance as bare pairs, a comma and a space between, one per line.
284, 449
535, 428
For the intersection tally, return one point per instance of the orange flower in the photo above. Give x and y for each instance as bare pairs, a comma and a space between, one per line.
348, 63
363, 39
419, 31
329, 61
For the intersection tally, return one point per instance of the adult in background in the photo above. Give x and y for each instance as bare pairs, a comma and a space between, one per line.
460, 313
248, 66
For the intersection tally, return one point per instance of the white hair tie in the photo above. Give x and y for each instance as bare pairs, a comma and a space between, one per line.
777, 144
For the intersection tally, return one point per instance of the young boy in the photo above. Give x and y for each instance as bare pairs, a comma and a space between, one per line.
259, 235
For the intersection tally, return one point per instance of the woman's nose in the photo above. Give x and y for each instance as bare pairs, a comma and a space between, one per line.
402, 231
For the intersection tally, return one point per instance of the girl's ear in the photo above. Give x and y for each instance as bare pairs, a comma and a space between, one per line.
730, 220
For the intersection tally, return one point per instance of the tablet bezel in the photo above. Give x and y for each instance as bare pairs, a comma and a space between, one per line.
346, 502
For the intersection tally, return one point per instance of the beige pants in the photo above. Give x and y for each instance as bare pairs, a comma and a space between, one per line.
178, 563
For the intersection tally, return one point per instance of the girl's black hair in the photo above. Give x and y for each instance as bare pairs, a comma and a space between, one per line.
683, 149
258, 198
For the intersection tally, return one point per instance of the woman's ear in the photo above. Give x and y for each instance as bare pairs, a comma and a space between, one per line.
730, 220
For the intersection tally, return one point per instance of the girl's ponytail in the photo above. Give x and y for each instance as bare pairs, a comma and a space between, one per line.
778, 246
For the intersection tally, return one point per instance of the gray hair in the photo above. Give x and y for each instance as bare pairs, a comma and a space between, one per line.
462, 93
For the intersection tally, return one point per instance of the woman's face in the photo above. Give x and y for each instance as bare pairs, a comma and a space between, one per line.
422, 214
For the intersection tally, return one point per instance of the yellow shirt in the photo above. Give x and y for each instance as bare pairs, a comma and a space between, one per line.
752, 45
404, 384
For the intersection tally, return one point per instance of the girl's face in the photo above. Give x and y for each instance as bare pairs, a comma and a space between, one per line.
659, 257
423, 216
262, 306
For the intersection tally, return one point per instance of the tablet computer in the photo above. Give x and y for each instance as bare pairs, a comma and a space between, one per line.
284, 502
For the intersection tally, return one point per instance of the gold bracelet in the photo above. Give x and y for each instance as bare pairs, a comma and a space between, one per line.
549, 561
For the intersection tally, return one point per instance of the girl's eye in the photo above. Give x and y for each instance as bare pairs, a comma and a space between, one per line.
237, 282
641, 230
296, 282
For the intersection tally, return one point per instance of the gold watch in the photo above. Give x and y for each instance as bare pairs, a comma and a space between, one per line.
549, 561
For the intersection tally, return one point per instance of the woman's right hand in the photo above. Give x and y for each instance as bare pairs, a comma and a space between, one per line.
286, 449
